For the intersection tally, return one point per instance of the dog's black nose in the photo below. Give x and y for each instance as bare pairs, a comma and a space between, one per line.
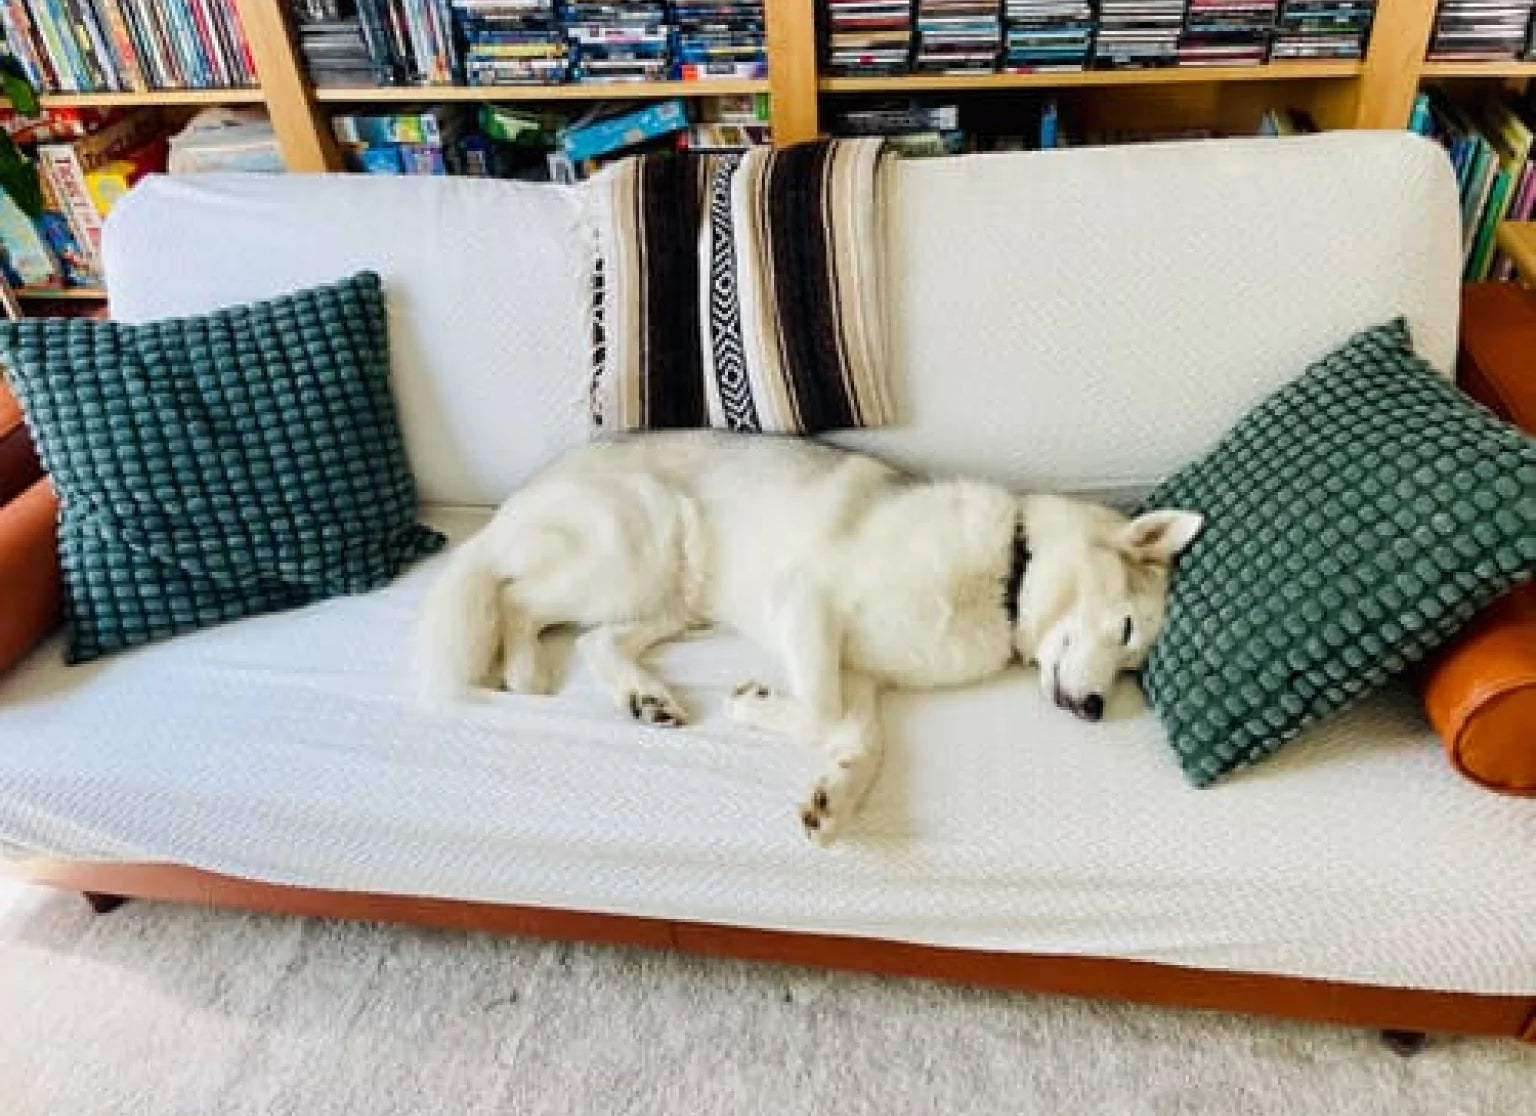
1093, 707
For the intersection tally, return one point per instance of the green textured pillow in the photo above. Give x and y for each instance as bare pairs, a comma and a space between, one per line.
1354, 521
218, 467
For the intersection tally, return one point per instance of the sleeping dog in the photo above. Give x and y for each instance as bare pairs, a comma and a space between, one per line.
858, 576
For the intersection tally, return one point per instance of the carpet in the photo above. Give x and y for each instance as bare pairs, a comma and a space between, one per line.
166, 1010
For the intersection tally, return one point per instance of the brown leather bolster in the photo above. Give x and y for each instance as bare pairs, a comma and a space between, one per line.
10, 410
19, 468
18, 463
1480, 691
1480, 694
29, 572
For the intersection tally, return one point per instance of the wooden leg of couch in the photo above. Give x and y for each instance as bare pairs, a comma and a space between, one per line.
1405, 1044
102, 903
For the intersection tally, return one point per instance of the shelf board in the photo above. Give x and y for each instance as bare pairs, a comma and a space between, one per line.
50, 294
619, 91
242, 96
1477, 69
1164, 75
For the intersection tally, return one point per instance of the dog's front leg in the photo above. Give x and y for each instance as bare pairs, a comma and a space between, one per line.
811, 640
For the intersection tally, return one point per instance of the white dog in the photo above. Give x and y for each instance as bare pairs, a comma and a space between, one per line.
856, 575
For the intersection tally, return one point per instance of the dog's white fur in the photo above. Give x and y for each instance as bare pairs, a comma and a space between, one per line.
856, 575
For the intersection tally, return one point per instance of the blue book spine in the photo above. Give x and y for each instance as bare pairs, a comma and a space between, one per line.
380, 160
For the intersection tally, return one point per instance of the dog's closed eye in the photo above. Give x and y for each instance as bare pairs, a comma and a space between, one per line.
1128, 632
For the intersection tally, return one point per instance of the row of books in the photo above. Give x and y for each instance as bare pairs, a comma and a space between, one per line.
124, 46
1489, 142
920, 128
529, 42
86, 160
885, 37
506, 142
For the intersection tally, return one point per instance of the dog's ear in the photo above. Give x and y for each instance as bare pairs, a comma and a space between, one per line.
1160, 536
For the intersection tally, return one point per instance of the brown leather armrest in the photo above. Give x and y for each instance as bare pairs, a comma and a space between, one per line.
1480, 691
1497, 362
29, 572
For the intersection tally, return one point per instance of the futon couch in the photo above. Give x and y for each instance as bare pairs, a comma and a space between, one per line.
1083, 321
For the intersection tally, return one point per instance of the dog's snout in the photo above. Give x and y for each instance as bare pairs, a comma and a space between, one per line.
1093, 707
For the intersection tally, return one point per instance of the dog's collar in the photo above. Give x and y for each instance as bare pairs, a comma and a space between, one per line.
1018, 562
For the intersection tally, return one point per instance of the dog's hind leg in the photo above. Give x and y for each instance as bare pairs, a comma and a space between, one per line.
613, 653
524, 663
855, 749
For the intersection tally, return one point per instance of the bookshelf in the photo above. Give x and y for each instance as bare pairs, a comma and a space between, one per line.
1376, 92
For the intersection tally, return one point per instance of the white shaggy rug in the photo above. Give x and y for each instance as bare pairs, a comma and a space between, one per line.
163, 1011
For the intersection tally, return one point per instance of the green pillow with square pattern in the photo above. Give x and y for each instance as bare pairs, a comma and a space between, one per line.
1354, 521
218, 467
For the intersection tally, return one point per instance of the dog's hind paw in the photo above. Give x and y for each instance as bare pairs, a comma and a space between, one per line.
836, 797
656, 708
818, 817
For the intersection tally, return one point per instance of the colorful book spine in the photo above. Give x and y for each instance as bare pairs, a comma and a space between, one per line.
88, 46
93, 39
25, 45
122, 44
61, 45
76, 208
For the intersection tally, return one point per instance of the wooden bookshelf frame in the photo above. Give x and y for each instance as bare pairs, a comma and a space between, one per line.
1376, 92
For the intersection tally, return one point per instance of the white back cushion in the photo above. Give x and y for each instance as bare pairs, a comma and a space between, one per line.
487, 284
1085, 320
1090, 320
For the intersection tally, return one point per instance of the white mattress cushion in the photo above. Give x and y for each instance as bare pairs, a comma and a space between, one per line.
488, 287
288, 748
1091, 320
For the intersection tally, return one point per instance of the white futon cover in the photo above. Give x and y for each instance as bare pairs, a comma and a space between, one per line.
291, 749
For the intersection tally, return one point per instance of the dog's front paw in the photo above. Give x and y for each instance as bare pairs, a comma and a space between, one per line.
657, 708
